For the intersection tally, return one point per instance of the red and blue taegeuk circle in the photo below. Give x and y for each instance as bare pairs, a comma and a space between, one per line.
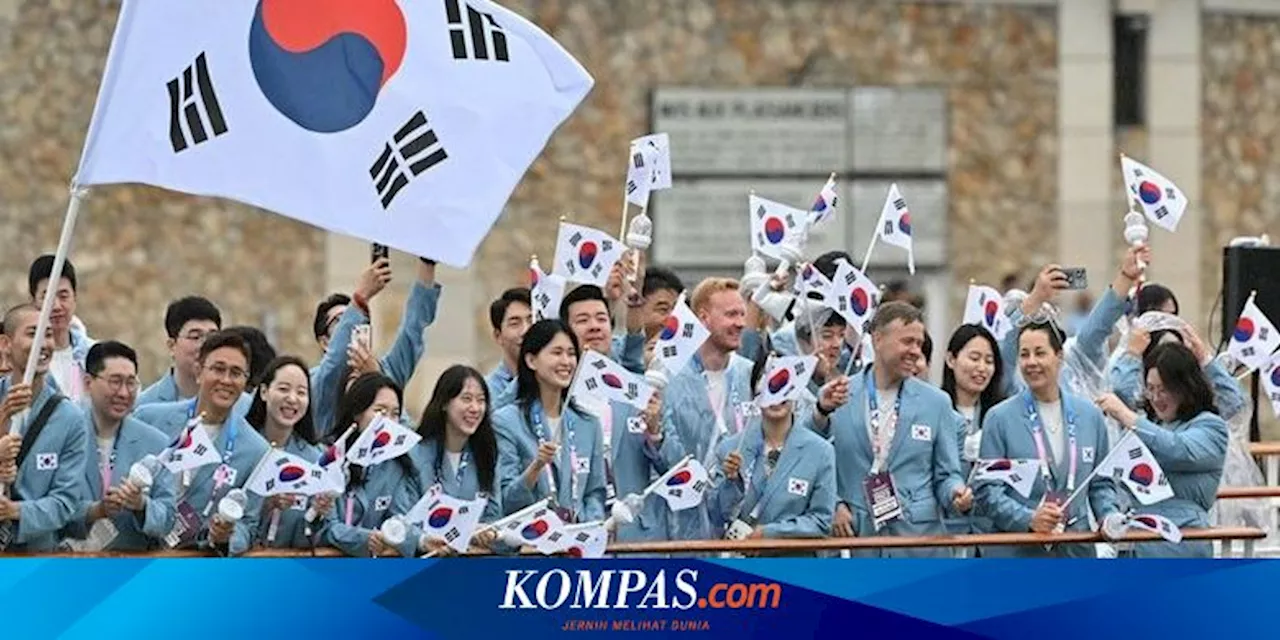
860, 300
1142, 474
779, 380
904, 223
774, 230
440, 517
587, 254
323, 63
1244, 330
1149, 193
291, 473
669, 328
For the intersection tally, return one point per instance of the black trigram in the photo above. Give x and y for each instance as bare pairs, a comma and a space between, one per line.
1170, 193
591, 384
600, 364
1135, 453
414, 144
186, 95
688, 330
900, 204
1161, 212
477, 25
670, 351
452, 535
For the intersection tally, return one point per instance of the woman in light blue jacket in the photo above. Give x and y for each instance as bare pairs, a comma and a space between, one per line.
1186, 435
546, 445
353, 524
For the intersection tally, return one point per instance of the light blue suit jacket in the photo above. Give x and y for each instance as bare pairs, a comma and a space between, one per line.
1127, 382
923, 459
518, 446
170, 418
797, 501
1006, 433
627, 350
635, 465
465, 488
371, 504
688, 426
501, 384
135, 531
398, 363
292, 530
50, 481
166, 390
1090, 342
1192, 455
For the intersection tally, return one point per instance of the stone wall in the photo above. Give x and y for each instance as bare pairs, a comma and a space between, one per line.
135, 248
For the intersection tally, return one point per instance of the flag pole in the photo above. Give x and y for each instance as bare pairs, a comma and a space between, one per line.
866, 258
1097, 467
78, 194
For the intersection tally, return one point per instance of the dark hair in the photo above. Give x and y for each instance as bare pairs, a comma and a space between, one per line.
535, 340
581, 293
1153, 296
484, 442
660, 279
992, 395
41, 269
96, 360
358, 398
261, 353
257, 416
320, 324
220, 339
1182, 377
184, 310
1048, 327
832, 319
895, 310
926, 347
498, 308
826, 263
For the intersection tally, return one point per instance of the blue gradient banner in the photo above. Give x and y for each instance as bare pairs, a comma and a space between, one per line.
499, 598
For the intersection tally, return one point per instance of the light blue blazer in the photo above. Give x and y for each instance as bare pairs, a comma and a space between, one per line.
518, 446
1127, 381
797, 501
688, 424
635, 465
466, 487
1192, 454
923, 459
1090, 342
50, 481
166, 390
1006, 433
136, 531
500, 382
371, 504
398, 363
292, 530
170, 418
627, 350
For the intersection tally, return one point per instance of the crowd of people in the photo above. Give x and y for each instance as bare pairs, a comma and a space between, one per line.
870, 447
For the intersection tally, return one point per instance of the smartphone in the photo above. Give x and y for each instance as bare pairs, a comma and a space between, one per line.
379, 251
364, 334
1077, 278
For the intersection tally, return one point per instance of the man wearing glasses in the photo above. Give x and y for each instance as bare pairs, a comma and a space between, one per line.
222, 373
187, 321
120, 513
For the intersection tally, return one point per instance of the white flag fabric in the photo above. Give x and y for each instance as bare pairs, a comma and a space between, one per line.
660, 145
1254, 339
378, 120
333, 466
535, 527
774, 225
586, 540
680, 336
1132, 464
785, 378
1271, 382
640, 168
447, 519
1019, 474
684, 486
824, 207
856, 296
984, 307
895, 224
585, 255
191, 450
1162, 200
1156, 524
546, 291
384, 439
282, 472
811, 284
601, 377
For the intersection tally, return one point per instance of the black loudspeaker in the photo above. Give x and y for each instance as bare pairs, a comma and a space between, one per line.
1245, 270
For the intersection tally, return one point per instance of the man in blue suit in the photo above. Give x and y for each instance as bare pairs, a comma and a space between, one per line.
47, 479
897, 456
186, 323
511, 315
120, 513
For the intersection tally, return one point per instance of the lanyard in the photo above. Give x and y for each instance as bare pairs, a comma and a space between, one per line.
567, 430
771, 466
880, 445
108, 469
351, 501
1037, 432
463, 461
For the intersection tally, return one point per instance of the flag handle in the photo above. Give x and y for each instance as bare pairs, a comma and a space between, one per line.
78, 195
866, 257
648, 491
502, 522
1097, 467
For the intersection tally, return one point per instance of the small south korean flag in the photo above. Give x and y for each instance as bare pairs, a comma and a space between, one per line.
895, 224
856, 296
824, 207
546, 291
601, 377
785, 378
1162, 201
640, 166
1271, 382
585, 255
1254, 338
984, 307
448, 519
384, 439
775, 225
283, 472
1156, 524
680, 336
1132, 464
812, 285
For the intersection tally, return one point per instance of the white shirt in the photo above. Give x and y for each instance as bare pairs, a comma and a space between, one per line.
1051, 418
553, 428
717, 388
104, 451
62, 366
972, 433
214, 430
886, 398
455, 460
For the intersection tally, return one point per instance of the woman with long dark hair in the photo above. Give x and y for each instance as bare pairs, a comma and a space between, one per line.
281, 413
458, 454
357, 514
1186, 435
972, 376
1066, 433
546, 445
